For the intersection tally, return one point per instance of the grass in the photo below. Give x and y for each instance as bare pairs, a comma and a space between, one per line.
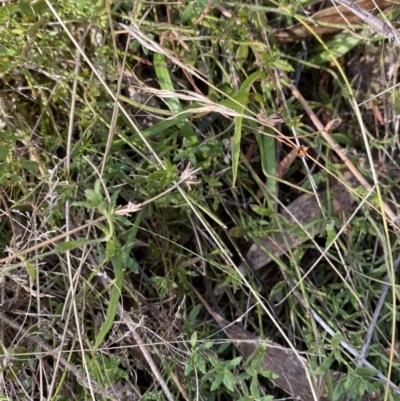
127, 222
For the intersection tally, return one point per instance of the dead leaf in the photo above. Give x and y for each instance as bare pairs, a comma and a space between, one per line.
302, 211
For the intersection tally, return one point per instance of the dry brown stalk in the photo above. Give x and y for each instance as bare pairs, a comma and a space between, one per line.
329, 20
384, 28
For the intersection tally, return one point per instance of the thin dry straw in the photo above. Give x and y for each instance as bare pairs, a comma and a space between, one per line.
382, 27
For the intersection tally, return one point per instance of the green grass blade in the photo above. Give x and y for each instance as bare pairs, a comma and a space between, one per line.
235, 149
111, 310
175, 106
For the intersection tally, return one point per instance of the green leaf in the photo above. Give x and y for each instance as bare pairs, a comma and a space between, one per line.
169, 167
27, 9
132, 265
110, 249
366, 372
242, 53
4, 150
195, 311
189, 367
95, 196
217, 382
31, 271
214, 360
336, 48
256, 358
276, 289
103, 228
245, 389
29, 165
193, 339
268, 374
237, 136
163, 125
113, 201
268, 152
86, 205
324, 366
243, 376
157, 175
207, 211
193, 11
235, 148
249, 81
188, 14
229, 381
206, 345
39, 6
361, 391
201, 365
111, 310
237, 232
164, 79
330, 230
261, 211
335, 340
163, 284
65, 246
234, 362
255, 392
282, 65
7, 12
339, 391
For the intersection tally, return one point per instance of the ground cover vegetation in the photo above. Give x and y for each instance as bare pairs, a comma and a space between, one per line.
199, 200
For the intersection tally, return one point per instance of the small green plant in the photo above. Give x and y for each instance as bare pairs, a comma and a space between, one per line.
355, 385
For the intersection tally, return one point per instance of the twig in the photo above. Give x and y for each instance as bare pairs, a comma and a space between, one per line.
336, 147
132, 329
349, 348
382, 27
343, 343
379, 306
